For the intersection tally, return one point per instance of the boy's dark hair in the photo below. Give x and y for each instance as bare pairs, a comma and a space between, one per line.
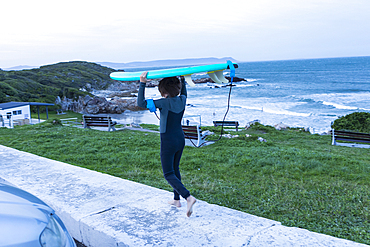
170, 86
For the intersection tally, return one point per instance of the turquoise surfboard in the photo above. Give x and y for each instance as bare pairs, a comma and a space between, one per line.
215, 71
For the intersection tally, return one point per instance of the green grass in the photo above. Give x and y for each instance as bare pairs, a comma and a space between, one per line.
296, 178
53, 115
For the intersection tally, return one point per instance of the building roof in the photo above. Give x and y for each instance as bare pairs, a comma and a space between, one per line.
9, 105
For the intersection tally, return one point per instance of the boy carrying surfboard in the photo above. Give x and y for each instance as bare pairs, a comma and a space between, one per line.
171, 107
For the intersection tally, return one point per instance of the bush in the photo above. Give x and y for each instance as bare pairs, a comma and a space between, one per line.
357, 121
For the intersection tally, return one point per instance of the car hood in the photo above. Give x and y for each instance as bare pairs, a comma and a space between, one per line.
23, 216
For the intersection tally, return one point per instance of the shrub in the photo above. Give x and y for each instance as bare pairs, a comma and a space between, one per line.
357, 121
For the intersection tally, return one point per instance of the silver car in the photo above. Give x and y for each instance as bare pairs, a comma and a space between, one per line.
26, 221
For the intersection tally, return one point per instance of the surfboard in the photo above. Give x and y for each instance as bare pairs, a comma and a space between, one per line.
214, 71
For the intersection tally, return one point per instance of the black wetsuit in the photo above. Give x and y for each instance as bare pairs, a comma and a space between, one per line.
172, 136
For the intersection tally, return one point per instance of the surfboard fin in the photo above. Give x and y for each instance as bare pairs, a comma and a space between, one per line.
189, 80
221, 77
214, 77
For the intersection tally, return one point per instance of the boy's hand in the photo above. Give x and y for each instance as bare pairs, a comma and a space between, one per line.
143, 77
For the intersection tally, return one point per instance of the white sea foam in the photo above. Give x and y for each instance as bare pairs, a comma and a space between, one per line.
251, 80
340, 98
339, 106
285, 112
246, 85
341, 101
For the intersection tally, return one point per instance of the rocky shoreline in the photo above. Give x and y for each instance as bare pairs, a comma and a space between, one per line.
122, 97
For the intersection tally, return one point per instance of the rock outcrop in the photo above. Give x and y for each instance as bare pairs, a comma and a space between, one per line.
95, 105
116, 104
209, 80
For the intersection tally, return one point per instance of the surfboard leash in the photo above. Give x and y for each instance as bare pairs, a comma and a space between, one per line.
232, 75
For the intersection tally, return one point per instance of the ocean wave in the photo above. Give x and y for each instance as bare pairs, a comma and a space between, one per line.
344, 107
253, 108
347, 101
251, 80
285, 112
339, 106
246, 85
339, 97
273, 110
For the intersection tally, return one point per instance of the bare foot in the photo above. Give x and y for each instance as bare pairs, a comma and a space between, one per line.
190, 200
175, 203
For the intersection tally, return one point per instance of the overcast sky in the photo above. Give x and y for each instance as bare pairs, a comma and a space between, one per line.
40, 32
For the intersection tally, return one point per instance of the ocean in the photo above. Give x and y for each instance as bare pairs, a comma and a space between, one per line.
309, 93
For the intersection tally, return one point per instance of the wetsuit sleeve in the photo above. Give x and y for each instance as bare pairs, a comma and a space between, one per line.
141, 96
161, 103
183, 88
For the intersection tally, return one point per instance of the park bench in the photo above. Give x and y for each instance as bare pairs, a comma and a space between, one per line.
194, 135
99, 121
348, 136
226, 123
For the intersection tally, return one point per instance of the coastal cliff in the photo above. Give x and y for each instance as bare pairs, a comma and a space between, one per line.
67, 79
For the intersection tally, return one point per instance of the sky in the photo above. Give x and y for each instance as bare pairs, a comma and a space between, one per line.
41, 32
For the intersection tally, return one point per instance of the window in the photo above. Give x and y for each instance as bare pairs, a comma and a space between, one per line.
19, 112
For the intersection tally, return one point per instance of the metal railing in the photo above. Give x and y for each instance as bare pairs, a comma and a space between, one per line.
6, 121
70, 121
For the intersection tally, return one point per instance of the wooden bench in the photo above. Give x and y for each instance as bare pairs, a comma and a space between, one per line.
226, 123
348, 136
194, 134
99, 121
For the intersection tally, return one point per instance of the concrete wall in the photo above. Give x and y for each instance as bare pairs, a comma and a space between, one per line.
100, 210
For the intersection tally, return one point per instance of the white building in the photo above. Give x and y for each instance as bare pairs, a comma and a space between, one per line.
19, 112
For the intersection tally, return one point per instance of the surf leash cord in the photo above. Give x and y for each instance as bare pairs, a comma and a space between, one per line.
232, 75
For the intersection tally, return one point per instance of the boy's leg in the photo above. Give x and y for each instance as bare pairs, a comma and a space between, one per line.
167, 159
176, 168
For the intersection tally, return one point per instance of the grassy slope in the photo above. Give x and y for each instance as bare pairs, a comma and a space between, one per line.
296, 178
